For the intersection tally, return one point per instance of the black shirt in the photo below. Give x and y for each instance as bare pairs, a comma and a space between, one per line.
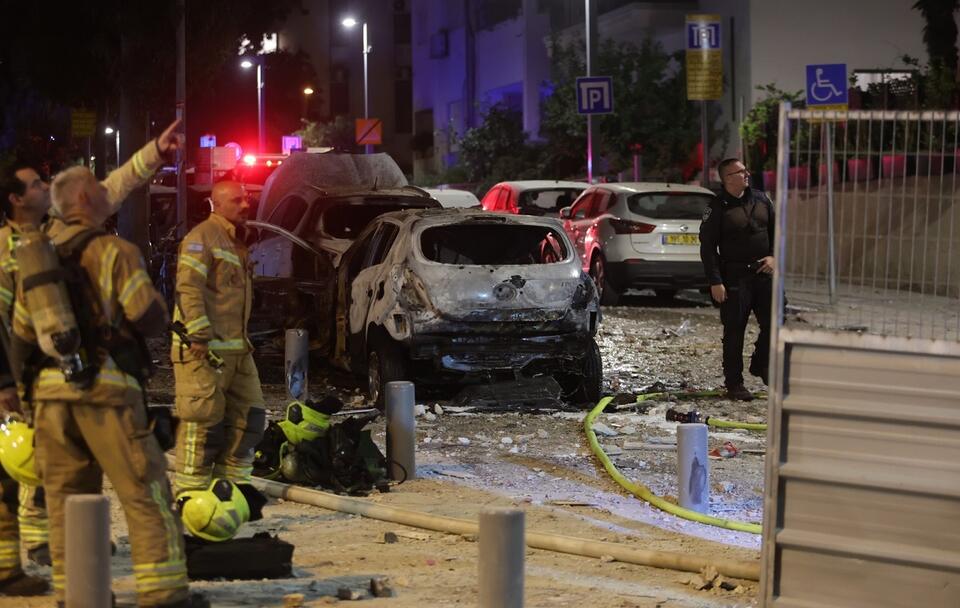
735, 230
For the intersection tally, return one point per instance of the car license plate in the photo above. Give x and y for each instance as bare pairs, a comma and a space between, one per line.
681, 239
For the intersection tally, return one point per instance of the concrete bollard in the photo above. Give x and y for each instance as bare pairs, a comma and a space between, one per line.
296, 362
88, 551
502, 547
692, 467
401, 431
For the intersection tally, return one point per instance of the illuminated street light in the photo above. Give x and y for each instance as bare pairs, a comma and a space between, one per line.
261, 135
108, 131
307, 91
348, 23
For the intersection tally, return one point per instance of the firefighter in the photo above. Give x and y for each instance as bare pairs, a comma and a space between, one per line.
25, 200
91, 424
220, 408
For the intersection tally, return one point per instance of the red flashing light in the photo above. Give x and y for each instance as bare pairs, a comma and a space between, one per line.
250, 159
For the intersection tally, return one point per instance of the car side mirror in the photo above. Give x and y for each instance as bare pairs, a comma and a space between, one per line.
565, 213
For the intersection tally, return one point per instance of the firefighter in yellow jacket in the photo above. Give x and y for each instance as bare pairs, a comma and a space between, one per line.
219, 404
86, 429
26, 201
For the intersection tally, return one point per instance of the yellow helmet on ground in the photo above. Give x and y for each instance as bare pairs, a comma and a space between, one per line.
16, 452
214, 514
304, 423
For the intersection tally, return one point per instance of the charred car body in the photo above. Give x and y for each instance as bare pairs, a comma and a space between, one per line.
460, 296
310, 211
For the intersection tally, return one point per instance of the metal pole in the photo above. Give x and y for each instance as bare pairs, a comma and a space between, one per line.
692, 472
261, 135
589, 57
831, 248
89, 162
117, 133
636, 167
87, 547
368, 148
182, 116
401, 431
501, 558
704, 139
296, 363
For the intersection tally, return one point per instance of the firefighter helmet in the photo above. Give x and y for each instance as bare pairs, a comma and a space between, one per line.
303, 422
214, 514
16, 452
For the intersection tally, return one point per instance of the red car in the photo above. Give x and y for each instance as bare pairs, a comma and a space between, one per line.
532, 197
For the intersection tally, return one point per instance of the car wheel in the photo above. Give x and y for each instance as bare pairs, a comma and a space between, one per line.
385, 363
665, 294
585, 386
609, 296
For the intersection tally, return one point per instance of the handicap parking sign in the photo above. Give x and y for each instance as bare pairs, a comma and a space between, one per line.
595, 95
827, 85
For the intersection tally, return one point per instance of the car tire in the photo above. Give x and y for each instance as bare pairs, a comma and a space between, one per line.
609, 296
385, 363
585, 386
666, 294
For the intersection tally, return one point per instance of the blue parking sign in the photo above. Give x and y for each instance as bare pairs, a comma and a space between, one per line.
595, 95
827, 85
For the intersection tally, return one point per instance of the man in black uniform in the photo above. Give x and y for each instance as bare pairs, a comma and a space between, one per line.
736, 247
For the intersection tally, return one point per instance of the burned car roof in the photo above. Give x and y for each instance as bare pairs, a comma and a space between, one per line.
306, 174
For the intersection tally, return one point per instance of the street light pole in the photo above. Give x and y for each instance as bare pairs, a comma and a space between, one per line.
366, 94
261, 127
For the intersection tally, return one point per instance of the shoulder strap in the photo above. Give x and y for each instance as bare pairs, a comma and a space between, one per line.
75, 245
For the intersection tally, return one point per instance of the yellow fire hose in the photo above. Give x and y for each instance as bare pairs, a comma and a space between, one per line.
644, 493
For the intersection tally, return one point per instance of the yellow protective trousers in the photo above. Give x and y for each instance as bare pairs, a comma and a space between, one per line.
77, 444
222, 419
32, 516
9, 534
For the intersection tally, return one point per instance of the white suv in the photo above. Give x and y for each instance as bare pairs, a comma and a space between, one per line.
639, 235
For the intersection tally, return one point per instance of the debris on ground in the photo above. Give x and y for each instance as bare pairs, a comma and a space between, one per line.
728, 450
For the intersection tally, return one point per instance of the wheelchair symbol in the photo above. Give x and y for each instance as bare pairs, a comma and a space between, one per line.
825, 87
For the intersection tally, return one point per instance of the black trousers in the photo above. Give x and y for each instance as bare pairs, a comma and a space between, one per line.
751, 292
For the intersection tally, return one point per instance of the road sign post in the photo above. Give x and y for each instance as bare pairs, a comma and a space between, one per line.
704, 73
369, 131
827, 90
594, 96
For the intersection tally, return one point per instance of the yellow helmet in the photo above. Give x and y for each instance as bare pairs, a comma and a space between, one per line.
214, 514
304, 423
16, 452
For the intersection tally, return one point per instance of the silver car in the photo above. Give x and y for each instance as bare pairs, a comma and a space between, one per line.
639, 235
456, 296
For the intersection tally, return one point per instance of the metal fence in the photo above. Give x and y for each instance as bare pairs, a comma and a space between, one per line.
871, 233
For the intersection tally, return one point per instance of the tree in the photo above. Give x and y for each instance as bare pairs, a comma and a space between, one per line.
939, 79
337, 134
650, 108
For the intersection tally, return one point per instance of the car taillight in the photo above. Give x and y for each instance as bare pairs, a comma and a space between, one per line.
626, 227
250, 159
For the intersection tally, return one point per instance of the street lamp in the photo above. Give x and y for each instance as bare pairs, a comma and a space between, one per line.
348, 23
110, 131
261, 134
307, 92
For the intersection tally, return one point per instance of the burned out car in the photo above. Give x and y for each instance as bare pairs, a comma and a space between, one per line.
459, 296
311, 210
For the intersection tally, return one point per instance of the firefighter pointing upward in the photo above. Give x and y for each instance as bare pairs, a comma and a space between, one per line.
220, 409
96, 422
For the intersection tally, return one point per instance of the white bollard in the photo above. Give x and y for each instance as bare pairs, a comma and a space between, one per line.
692, 467
502, 547
87, 562
401, 431
296, 362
